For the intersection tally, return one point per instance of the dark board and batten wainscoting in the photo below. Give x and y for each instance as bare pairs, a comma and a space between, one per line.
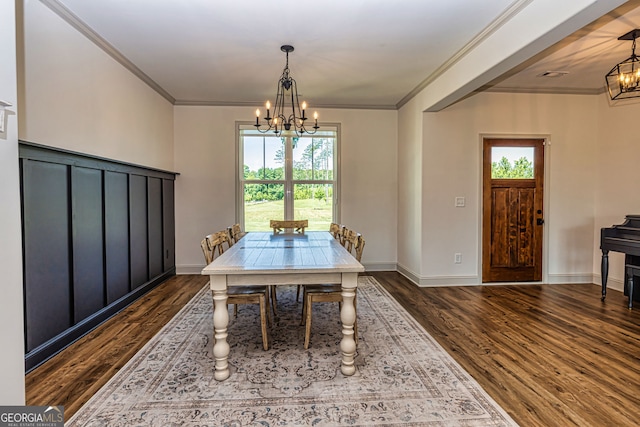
97, 234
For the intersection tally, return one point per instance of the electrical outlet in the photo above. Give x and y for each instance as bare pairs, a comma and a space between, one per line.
460, 202
457, 258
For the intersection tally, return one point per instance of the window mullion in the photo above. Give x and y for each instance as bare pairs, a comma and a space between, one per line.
288, 178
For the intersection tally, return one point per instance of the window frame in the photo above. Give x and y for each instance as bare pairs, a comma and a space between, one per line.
288, 183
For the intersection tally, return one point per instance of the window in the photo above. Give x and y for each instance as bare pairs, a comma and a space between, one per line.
512, 162
287, 177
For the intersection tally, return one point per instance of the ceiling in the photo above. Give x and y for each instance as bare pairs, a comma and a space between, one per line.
349, 54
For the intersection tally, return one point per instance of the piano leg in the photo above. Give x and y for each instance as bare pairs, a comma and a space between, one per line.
604, 271
630, 273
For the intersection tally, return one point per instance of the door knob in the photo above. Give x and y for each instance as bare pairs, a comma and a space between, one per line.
540, 221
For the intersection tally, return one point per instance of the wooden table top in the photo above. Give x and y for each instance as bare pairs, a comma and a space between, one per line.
266, 253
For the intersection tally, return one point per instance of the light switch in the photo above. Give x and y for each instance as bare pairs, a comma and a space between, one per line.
2, 114
459, 202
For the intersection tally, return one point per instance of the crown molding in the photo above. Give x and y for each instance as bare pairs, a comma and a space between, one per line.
185, 102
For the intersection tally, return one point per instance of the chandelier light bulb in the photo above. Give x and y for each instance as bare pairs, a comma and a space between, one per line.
629, 81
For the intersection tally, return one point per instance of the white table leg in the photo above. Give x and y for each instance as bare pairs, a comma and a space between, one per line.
348, 318
220, 324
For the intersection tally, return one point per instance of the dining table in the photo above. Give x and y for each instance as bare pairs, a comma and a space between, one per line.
265, 258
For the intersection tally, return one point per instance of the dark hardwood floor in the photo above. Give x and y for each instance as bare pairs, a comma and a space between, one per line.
550, 355
72, 376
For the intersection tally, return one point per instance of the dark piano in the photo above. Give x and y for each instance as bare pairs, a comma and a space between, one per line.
623, 238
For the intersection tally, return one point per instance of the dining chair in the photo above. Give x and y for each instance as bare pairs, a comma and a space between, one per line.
289, 226
337, 231
341, 234
236, 233
360, 247
350, 240
331, 293
215, 242
214, 245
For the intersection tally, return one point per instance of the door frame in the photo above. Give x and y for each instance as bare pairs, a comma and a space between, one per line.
545, 202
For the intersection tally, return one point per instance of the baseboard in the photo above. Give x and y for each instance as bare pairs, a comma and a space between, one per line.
612, 283
190, 269
558, 279
435, 281
408, 273
380, 266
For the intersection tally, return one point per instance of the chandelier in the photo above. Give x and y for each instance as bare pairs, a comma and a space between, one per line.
623, 81
288, 114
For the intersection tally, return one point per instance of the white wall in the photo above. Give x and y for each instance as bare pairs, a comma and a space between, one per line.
616, 186
75, 96
451, 162
410, 191
11, 315
205, 144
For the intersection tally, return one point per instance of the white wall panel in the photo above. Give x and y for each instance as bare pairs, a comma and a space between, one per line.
11, 313
410, 172
616, 186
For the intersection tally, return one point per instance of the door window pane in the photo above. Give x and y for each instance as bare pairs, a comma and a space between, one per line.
262, 203
512, 162
315, 203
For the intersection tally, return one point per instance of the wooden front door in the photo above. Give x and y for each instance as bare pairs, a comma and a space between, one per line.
513, 174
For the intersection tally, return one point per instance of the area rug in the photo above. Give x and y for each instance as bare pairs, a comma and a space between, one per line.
404, 377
